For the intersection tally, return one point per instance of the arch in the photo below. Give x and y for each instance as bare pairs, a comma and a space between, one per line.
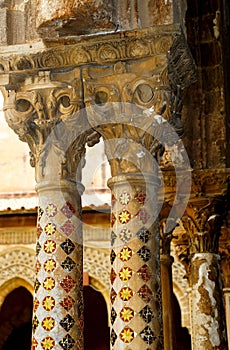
13, 284
17, 263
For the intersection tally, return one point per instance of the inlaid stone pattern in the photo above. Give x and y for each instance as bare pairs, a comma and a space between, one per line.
58, 301
135, 282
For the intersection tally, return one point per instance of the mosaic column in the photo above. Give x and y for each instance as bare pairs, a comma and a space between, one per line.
136, 317
44, 113
207, 308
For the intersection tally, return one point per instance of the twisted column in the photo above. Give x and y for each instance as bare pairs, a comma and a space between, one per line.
207, 309
44, 113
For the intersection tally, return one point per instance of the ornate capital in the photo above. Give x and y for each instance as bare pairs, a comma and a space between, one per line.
165, 237
43, 110
203, 220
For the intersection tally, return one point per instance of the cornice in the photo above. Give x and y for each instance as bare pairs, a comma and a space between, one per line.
102, 49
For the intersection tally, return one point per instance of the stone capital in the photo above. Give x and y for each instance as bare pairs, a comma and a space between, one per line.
44, 110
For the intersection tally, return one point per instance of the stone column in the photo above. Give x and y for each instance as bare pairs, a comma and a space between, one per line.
44, 113
167, 286
128, 103
207, 309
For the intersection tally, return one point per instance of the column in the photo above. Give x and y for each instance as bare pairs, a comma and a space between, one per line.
44, 113
166, 261
207, 309
130, 110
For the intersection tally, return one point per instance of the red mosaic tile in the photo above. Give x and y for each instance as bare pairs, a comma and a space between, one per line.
127, 335
145, 273
49, 283
67, 283
125, 293
48, 323
126, 314
49, 265
67, 227
36, 304
113, 220
50, 229
143, 216
48, 343
113, 200
37, 266
49, 246
125, 274
67, 303
34, 344
124, 217
68, 210
39, 231
125, 254
113, 295
145, 293
48, 303
140, 197
113, 276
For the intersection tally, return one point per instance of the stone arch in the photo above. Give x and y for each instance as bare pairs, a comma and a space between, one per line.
11, 284
17, 266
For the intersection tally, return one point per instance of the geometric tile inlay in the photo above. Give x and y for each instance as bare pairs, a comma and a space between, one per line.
145, 293
112, 220
38, 248
143, 234
125, 274
67, 303
125, 293
145, 273
48, 323
68, 210
127, 335
49, 246
51, 210
125, 254
147, 335
143, 216
144, 253
113, 315
124, 216
124, 198
125, 235
67, 342
50, 228
67, 227
113, 295
49, 283
36, 304
49, 265
67, 323
39, 231
48, 343
68, 264
146, 314
35, 323
68, 246
113, 200
36, 285
113, 237
140, 197
112, 256
37, 266
113, 337
40, 212
67, 283
113, 275
48, 303
126, 314
34, 344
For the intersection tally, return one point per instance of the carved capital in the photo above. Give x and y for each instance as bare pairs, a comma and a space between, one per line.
44, 111
203, 220
165, 237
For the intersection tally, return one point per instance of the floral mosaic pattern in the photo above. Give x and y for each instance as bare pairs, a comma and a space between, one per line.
125, 235
140, 197
67, 303
48, 323
67, 323
127, 335
125, 254
126, 314
124, 216
50, 228
147, 335
48, 343
48, 303
125, 274
49, 283
49, 246
67, 342
50, 265
124, 198
145, 273
68, 210
51, 210
67, 283
125, 293
67, 228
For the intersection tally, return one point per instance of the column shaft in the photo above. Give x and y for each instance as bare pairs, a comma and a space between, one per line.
58, 299
208, 328
136, 316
